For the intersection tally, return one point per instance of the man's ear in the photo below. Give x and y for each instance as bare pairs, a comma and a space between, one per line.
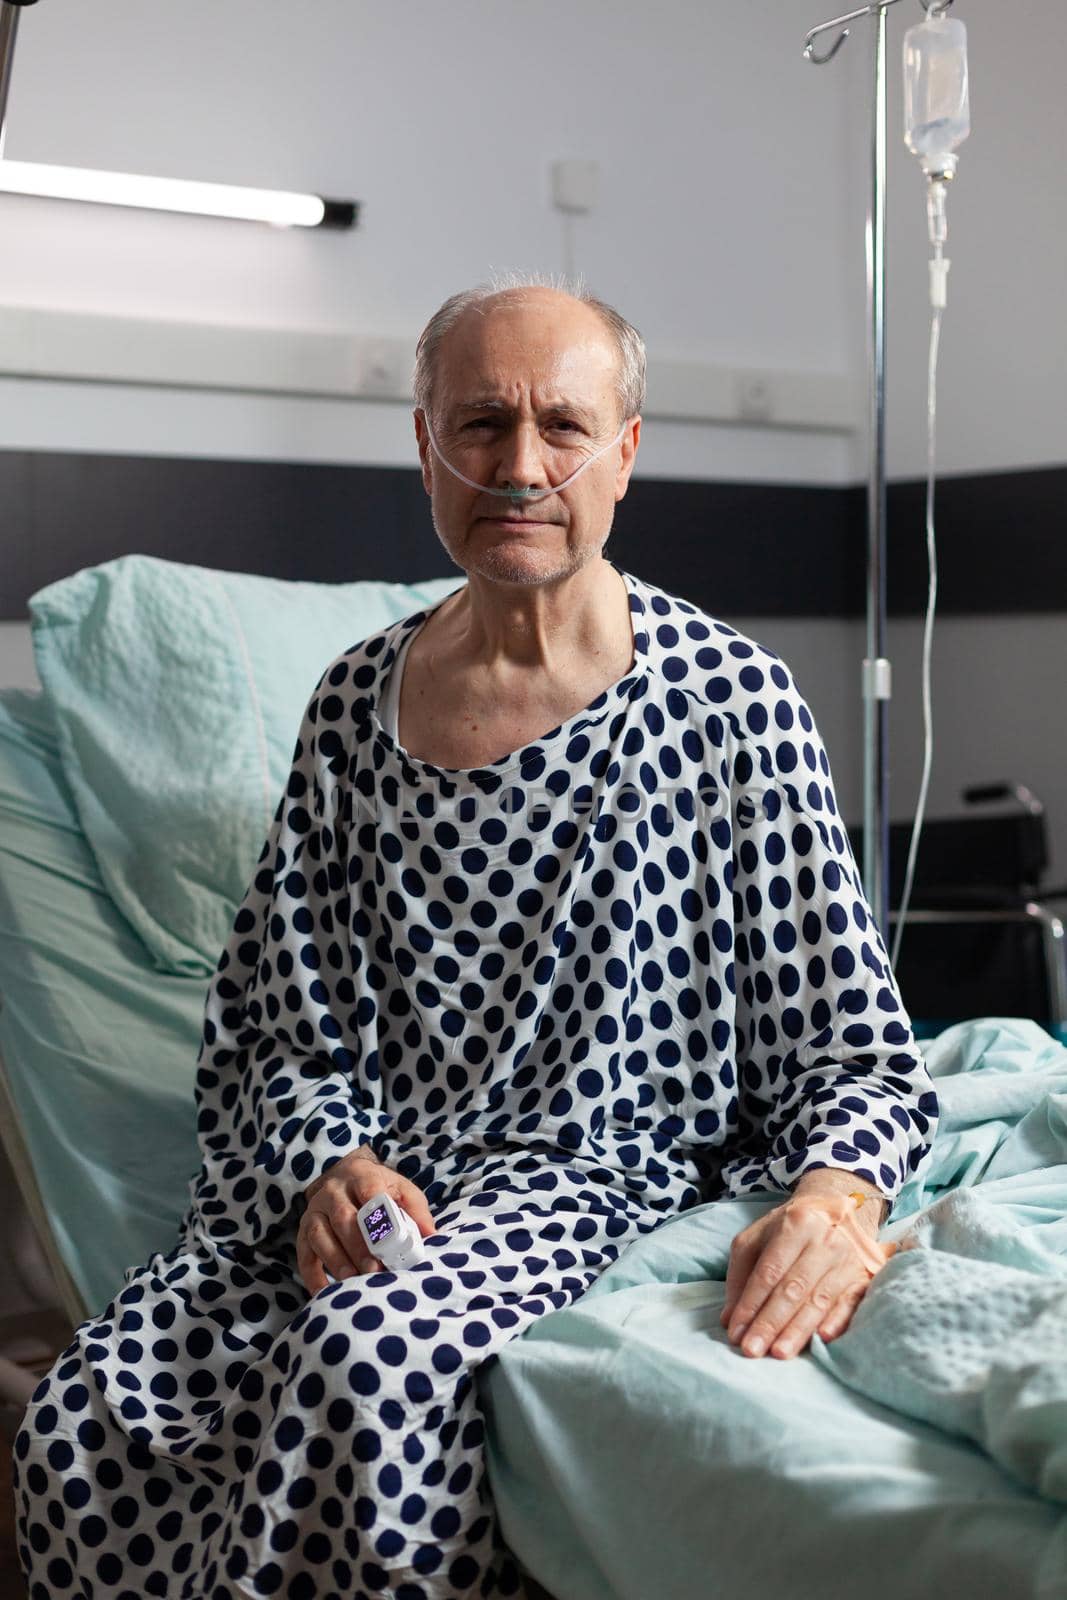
628, 447
425, 453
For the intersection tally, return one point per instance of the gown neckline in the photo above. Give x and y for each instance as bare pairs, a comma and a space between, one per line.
629, 686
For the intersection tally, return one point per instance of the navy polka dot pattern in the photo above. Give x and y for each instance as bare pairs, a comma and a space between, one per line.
624, 969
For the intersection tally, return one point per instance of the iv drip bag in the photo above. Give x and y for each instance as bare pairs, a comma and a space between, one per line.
523, 494
937, 113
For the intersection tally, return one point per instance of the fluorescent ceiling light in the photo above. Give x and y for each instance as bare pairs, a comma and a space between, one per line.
283, 209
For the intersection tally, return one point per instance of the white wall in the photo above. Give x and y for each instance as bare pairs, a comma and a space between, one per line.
730, 225
730, 228
719, 237
1002, 393
442, 119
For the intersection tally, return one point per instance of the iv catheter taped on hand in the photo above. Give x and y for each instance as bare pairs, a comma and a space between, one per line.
524, 494
842, 1209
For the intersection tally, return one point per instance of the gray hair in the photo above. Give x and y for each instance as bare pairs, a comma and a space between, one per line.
631, 346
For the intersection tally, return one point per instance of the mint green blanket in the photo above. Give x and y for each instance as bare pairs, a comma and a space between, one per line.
635, 1454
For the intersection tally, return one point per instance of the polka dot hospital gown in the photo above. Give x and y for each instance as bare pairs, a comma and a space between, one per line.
620, 971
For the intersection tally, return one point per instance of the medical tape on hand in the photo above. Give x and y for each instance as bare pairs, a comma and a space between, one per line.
841, 1209
523, 494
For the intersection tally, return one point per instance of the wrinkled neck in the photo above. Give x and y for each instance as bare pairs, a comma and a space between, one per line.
544, 628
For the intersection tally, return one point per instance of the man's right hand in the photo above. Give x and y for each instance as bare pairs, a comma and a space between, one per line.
329, 1237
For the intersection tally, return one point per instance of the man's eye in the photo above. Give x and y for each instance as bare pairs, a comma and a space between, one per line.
482, 422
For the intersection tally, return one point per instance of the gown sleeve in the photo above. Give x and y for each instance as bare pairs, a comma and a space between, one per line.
281, 1090
828, 1070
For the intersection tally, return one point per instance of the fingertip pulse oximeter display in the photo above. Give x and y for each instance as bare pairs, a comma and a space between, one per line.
378, 1225
389, 1233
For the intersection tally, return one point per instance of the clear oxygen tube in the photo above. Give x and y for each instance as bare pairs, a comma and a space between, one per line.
519, 495
937, 119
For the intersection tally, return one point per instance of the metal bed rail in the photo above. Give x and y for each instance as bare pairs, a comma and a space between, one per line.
1053, 938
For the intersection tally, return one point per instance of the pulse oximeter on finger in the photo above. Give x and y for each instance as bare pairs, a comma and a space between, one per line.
390, 1234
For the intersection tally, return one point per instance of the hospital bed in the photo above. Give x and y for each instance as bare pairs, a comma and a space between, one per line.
634, 1454
984, 930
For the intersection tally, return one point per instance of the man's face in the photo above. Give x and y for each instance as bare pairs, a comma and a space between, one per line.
525, 392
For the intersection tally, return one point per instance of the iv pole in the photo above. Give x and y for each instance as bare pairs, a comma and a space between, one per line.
877, 672
9, 24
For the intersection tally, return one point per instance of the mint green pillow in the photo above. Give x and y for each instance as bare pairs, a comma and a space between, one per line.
177, 693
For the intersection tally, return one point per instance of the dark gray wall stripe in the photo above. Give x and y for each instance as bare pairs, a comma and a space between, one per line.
751, 549
737, 549
1000, 541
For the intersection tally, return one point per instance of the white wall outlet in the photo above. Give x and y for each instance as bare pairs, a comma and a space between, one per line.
754, 397
575, 185
383, 369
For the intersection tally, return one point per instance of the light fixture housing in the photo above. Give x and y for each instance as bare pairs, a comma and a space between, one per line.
279, 207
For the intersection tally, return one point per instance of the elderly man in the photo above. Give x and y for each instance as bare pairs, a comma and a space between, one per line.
556, 933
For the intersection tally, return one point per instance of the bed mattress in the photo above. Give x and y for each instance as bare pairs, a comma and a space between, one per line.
98, 1047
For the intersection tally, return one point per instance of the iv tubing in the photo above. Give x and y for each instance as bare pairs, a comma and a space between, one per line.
931, 600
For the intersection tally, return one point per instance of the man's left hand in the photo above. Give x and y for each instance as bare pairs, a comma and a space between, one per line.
794, 1273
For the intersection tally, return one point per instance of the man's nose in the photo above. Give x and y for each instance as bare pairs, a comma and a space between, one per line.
520, 464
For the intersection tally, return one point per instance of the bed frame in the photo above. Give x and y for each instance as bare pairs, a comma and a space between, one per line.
17, 1154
